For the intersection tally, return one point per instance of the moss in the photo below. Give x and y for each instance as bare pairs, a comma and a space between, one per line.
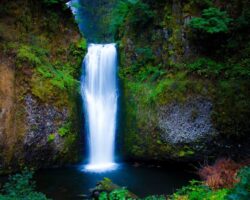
185, 151
106, 185
143, 138
51, 137
70, 151
29, 55
65, 129
45, 45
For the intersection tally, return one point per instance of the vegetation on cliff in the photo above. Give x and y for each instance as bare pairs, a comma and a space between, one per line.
41, 41
171, 51
174, 56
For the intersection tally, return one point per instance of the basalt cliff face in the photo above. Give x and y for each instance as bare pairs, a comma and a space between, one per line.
179, 80
41, 51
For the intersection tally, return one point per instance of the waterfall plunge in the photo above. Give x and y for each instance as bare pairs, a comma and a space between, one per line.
99, 91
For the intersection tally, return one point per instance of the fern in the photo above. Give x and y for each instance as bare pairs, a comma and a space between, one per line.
213, 20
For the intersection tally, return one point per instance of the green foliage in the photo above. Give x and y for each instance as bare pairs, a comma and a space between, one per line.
51, 75
80, 48
239, 64
205, 66
240, 69
70, 140
34, 51
119, 14
109, 193
134, 12
213, 20
118, 194
51, 78
170, 88
65, 129
103, 196
138, 73
63, 79
31, 55
243, 21
154, 197
21, 187
142, 101
147, 52
144, 55
241, 190
186, 151
140, 13
106, 184
150, 73
51, 137
196, 191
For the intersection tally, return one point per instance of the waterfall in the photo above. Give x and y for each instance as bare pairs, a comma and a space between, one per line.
73, 5
99, 92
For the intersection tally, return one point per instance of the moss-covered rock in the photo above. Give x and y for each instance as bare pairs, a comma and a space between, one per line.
43, 51
179, 83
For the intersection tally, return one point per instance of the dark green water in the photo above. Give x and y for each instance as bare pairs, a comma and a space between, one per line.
71, 183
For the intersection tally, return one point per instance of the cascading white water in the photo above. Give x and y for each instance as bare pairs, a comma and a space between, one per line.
99, 91
73, 4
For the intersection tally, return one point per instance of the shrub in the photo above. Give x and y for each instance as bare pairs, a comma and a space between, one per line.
118, 194
220, 175
21, 187
213, 20
196, 191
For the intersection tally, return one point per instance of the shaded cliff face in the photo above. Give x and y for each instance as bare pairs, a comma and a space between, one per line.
41, 52
179, 84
